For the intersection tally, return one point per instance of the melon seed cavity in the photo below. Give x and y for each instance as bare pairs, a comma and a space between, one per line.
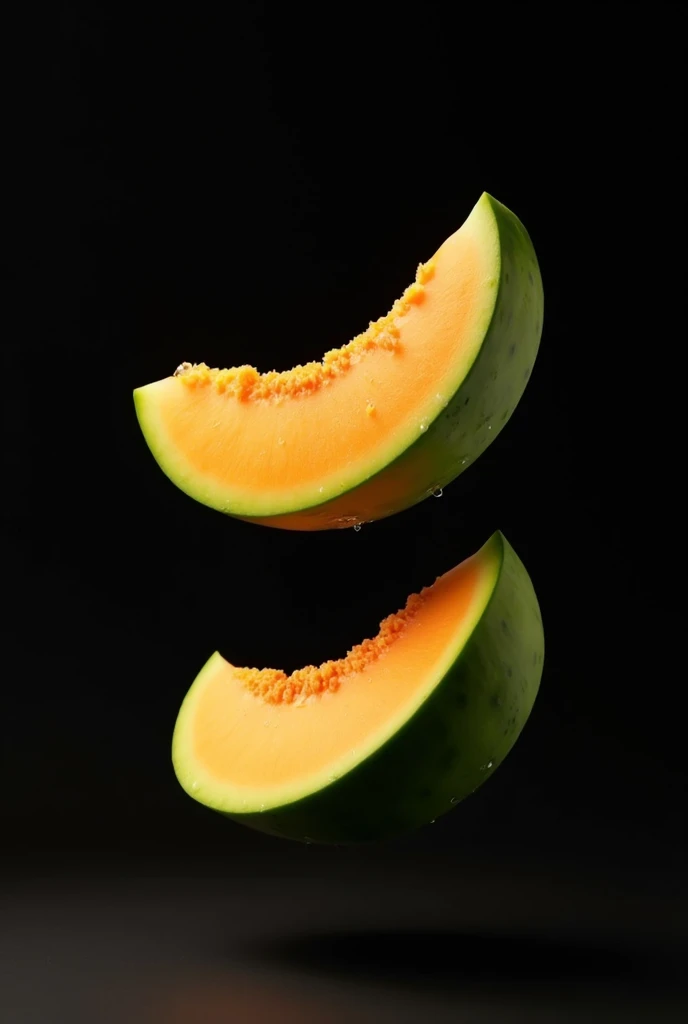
276, 687
246, 384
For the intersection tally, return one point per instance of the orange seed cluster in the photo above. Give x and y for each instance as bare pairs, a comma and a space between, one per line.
245, 383
276, 687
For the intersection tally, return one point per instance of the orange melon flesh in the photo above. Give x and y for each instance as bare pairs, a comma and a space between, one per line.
245, 740
264, 444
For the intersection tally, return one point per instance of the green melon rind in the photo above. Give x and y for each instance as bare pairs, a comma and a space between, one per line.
453, 742
481, 403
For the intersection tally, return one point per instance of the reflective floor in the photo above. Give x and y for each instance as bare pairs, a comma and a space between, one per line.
204, 947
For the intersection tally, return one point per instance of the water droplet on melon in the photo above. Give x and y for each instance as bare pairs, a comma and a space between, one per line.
357, 527
422, 427
437, 492
346, 521
280, 440
454, 800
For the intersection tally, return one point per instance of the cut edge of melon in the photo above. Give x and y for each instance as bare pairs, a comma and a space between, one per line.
346, 477
229, 798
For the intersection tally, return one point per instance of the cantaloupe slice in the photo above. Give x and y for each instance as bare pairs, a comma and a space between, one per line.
386, 739
379, 424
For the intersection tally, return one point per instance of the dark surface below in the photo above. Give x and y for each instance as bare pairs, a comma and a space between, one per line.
316, 942
446, 960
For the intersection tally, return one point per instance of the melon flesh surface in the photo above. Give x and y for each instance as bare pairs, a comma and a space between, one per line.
378, 425
385, 740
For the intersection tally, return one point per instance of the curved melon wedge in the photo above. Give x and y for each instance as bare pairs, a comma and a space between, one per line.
383, 422
385, 740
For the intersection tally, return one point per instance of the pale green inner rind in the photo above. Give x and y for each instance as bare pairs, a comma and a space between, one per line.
343, 478
230, 799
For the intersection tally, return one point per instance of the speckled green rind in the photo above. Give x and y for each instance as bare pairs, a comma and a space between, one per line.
478, 410
453, 743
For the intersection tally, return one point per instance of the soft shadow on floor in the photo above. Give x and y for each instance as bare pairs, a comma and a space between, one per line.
451, 960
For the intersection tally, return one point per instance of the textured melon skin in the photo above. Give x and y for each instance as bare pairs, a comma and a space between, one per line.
476, 413
453, 743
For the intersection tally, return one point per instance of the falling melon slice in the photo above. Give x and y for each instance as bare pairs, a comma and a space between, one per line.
379, 424
386, 739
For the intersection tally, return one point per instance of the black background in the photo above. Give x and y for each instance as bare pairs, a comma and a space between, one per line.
255, 186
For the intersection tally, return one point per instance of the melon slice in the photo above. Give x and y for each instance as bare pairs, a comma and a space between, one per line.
386, 739
379, 424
